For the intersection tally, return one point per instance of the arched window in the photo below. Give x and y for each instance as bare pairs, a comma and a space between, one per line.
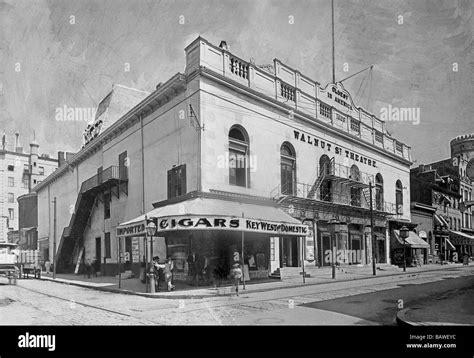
288, 169
238, 157
356, 192
379, 192
325, 190
399, 196
355, 173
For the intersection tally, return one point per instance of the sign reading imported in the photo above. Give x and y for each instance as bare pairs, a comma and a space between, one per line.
175, 223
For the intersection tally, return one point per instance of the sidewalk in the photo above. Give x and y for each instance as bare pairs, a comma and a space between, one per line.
183, 291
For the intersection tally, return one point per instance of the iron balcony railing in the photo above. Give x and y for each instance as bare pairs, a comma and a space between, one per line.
355, 199
111, 173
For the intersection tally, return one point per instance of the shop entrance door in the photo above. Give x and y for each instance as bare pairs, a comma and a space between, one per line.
289, 252
326, 250
356, 247
381, 251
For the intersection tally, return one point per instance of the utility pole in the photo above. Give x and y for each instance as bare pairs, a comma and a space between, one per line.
372, 234
54, 240
333, 45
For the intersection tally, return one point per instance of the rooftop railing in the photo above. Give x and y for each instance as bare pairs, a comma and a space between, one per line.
289, 86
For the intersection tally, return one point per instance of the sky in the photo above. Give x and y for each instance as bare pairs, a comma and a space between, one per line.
70, 52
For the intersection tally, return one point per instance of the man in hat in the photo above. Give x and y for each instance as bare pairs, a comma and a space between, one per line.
237, 275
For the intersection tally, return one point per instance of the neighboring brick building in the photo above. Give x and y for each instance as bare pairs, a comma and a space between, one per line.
19, 172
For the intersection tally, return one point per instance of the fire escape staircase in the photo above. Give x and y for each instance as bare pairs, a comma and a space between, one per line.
71, 238
317, 183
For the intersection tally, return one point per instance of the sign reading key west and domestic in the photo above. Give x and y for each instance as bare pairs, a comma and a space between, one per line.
175, 223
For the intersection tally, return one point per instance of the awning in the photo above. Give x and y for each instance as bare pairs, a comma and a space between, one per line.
441, 220
413, 240
216, 214
460, 238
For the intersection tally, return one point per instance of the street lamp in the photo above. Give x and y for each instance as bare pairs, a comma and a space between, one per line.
404, 234
151, 231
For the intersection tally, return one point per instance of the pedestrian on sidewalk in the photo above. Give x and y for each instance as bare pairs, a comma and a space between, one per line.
236, 273
47, 266
168, 271
88, 268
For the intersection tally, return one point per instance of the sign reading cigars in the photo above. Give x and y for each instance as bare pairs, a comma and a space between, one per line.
175, 223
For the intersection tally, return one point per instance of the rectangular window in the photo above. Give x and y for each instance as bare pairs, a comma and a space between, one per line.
26, 183
107, 245
355, 125
107, 199
11, 215
177, 181
41, 170
123, 166
26, 167
11, 181
11, 168
356, 194
324, 110
237, 168
11, 198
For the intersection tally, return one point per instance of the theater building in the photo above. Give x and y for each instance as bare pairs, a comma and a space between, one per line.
230, 152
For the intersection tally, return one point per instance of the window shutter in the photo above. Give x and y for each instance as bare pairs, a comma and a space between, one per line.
123, 172
183, 180
170, 183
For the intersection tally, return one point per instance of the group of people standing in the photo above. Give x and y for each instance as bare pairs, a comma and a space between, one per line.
163, 271
208, 270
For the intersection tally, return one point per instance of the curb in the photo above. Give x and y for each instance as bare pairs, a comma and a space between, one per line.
188, 296
127, 292
402, 321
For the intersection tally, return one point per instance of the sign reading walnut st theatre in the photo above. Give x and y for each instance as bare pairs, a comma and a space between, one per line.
215, 223
337, 150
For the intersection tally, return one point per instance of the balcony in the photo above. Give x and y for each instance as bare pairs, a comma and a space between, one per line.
302, 193
343, 174
107, 177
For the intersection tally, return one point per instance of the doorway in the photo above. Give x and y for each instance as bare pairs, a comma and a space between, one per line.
356, 246
326, 250
289, 252
98, 253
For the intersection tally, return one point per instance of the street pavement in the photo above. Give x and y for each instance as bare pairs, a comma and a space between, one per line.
43, 302
446, 301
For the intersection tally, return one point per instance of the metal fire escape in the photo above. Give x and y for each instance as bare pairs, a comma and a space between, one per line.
71, 237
